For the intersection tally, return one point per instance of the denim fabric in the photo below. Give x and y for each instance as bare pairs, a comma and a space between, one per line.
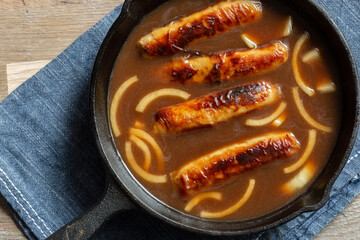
50, 170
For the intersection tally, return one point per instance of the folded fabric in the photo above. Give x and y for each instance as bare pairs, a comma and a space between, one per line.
51, 172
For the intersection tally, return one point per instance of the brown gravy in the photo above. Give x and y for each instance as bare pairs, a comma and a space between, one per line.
181, 148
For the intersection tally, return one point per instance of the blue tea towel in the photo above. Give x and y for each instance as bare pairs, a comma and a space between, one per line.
51, 172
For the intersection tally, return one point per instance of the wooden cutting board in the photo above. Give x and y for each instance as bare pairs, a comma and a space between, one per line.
32, 32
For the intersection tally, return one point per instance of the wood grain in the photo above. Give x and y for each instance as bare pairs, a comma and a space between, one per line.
8, 228
34, 31
345, 225
41, 29
17, 72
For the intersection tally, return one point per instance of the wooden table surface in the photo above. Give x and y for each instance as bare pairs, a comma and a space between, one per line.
33, 32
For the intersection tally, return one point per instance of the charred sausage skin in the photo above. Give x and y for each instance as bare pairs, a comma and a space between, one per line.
215, 19
223, 66
221, 165
215, 108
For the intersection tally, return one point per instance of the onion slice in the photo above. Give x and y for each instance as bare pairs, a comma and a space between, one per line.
148, 138
288, 27
141, 172
140, 125
305, 115
115, 103
326, 86
233, 208
312, 55
300, 180
248, 41
308, 150
309, 91
144, 148
280, 120
145, 101
200, 197
268, 119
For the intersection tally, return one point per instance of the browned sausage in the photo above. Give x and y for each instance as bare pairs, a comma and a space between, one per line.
232, 160
221, 17
215, 108
223, 66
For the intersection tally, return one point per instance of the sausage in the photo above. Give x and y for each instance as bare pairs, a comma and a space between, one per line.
223, 66
215, 108
219, 166
215, 19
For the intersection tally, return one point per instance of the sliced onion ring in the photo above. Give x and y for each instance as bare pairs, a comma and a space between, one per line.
309, 91
326, 86
147, 137
308, 150
268, 119
303, 177
145, 101
288, 27
200, 197
280, 120
233, 208
305, 115
141, 172
312, 55
144, 148
248, 41
115, 103
140, 125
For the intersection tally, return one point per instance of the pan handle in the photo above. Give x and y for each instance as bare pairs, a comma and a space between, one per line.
83, 227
